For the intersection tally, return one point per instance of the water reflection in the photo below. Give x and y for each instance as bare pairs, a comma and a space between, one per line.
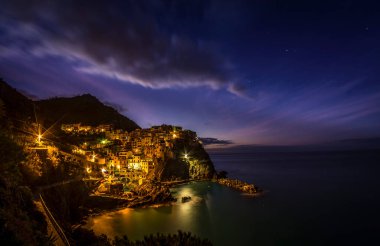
106, 223
306, 205
167, 209
191, 216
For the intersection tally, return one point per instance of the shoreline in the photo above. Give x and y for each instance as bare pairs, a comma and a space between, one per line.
122, 203
116, 204
116, 209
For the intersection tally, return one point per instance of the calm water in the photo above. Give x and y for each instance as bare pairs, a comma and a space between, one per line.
310, 199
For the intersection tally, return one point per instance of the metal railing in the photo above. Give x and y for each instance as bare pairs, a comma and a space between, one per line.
55, 224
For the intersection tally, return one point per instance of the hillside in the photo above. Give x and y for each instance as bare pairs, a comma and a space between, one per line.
24, 169
16, 105
86, 109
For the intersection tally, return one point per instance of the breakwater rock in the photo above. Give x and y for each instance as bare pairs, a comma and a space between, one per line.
239, 185
149, 193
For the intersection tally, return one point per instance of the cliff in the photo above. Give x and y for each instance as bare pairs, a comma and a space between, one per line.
190, 161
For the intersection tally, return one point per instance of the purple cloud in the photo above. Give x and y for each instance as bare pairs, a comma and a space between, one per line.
122, 42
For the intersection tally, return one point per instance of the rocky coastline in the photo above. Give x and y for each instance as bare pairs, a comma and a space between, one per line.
239, 185
151, 193
156, 194
145, 195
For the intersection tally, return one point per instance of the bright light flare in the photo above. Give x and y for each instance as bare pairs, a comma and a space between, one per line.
39, 137
186, 155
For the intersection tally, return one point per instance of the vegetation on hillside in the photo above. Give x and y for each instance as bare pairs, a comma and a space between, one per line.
85, 109
86, 237
20, 221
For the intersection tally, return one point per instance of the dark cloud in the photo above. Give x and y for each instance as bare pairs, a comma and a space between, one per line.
214, 141
133, 41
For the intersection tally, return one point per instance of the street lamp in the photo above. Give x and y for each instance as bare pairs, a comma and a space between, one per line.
186, 155
104, 170
39, 137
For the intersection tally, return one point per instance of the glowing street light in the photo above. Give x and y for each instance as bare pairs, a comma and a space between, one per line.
186, 155
93, 157
39, 137
104, 170
88, 170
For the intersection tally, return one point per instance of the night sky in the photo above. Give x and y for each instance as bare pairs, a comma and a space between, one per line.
253, 72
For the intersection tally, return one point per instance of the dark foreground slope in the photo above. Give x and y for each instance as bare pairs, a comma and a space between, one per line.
20, 221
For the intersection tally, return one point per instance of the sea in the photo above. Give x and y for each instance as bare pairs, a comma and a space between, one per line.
308, 198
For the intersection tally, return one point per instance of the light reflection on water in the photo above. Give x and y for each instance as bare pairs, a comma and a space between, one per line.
106, 223
313, 199
188, 216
